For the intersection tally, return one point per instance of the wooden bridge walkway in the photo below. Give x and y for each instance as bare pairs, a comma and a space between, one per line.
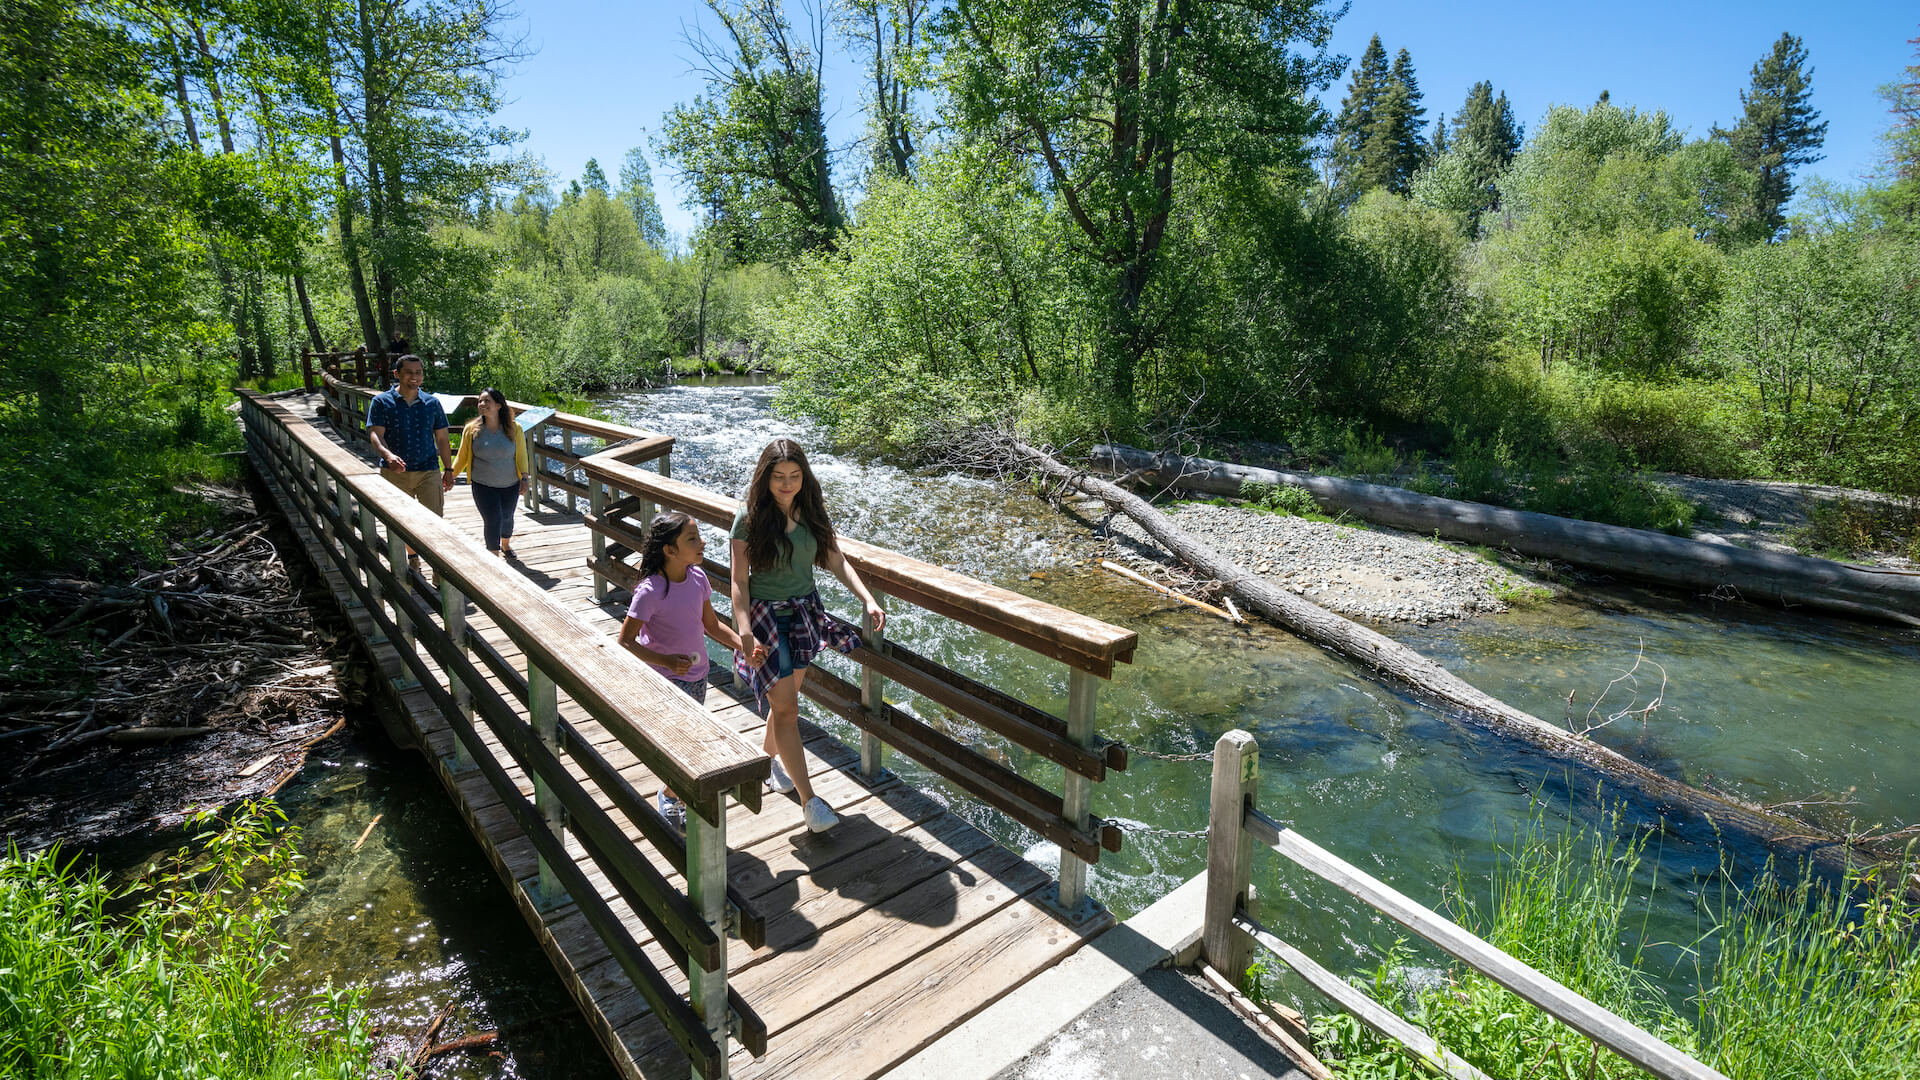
861, 945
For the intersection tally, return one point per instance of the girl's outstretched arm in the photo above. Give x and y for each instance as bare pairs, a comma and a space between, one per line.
838, 565
753, 650
725, 635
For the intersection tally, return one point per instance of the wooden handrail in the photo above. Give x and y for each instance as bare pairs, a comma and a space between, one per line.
1236, 822
1068, 636
694, 754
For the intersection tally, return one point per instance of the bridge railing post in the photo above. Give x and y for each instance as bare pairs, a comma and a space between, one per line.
872, 695
566, 436
371, 538
453, 615
597, 505
1236, 785
1076, 792
543, 713
540, 493
707, 890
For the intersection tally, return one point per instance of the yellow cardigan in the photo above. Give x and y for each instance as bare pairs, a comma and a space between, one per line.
464, 462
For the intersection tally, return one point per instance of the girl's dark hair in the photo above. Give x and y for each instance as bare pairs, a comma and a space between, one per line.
767, 543
500, 399
666, 528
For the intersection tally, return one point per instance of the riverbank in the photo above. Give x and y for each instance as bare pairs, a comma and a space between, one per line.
194, 684
1360, 571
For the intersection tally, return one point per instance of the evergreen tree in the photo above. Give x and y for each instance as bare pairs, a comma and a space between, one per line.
1902, 141
1354, 129
1403, 126
1488, 122
636, 190
1778, 129
1437, 145
594, 177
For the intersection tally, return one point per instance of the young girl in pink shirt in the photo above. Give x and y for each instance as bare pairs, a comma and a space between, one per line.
672, 616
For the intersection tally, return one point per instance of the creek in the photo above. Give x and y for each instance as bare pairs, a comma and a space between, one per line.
1772, 706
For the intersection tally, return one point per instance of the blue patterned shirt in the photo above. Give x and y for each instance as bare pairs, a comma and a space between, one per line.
409, 428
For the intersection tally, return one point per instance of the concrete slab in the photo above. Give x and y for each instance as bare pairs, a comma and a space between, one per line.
1166, 933
1166, 1025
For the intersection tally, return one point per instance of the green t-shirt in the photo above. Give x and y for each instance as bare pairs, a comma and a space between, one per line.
786, 580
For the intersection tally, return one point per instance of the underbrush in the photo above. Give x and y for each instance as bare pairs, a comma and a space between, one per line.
1846, 528
1800, 980
166, 977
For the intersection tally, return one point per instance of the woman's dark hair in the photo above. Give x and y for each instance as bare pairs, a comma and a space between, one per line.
666, 528
500, 399
767, 543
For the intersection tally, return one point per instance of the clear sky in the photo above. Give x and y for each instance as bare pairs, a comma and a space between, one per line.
601, 76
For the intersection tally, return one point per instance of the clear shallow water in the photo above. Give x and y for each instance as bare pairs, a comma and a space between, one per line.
1774, 706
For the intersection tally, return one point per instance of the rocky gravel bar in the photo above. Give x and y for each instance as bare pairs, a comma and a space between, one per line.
1364, 573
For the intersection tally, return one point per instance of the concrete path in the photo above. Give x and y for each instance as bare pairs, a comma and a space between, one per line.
1166, 1025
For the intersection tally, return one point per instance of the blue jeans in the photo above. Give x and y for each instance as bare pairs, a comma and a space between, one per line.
782, 658
693, 688
496, 505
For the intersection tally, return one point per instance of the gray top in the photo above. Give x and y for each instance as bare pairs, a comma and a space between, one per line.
493, 459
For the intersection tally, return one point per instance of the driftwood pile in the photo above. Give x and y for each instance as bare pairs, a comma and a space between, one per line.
218, 638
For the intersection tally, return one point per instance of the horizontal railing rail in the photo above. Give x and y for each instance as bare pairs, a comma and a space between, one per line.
625, 497
1236, 824
367, 527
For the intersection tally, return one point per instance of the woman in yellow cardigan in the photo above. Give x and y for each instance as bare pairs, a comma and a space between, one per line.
493, 454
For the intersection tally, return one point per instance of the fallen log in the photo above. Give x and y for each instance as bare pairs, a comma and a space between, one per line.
1766, 576
1393, 662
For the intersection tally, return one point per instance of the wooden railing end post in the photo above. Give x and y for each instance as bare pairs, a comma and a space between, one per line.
1236, 784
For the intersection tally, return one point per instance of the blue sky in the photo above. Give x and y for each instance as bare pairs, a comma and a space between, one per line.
602, 75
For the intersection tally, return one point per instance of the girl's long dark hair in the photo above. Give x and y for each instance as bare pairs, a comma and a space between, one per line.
767, 543
666, 528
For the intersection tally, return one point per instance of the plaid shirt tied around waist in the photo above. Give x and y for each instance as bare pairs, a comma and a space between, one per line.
812, 629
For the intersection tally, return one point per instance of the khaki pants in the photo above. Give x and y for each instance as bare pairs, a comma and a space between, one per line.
423, 486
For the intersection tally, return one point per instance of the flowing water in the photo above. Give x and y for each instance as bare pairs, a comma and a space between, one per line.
1773, 706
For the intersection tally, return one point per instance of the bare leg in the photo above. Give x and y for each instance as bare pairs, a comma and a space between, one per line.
783, 731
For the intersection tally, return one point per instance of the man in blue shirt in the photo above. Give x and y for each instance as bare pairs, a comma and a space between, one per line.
409, 434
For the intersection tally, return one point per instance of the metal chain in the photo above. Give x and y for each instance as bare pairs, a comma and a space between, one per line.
1149, 830
1203, 755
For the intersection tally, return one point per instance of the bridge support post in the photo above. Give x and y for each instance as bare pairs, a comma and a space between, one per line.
1236, 784
453, 614
707, 890
403, 579
540, 492
1077, 791
543, 708
370, 537
343, 503
597, 504
567, 466
872, 695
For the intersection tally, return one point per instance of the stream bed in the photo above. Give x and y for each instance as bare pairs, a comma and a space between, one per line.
1773, 706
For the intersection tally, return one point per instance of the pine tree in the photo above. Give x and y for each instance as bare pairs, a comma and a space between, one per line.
1902, 141
1778, 129
1437, 145
1487, 122
594, 177
1403, 131
636, 190
1354, 129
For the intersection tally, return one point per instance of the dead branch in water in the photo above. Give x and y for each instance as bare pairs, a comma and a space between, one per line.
1392, 662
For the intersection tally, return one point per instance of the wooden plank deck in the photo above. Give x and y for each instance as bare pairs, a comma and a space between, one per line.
882, 934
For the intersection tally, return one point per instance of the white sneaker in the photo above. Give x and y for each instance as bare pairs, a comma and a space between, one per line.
820, 816
779, 782
673, 810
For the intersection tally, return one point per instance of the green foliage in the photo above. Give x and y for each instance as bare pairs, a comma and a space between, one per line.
1366, 454
1779, 130
165, 978
1845, 529
1280, 498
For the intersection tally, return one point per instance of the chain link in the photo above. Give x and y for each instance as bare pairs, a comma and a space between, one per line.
1143, 829
1203, 755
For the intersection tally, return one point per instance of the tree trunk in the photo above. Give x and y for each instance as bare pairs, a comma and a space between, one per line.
306, 313
1392, 662
356, 278
1787, 580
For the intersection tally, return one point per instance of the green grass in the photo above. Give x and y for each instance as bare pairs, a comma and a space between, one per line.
165, 978
1844, 529
1793, 981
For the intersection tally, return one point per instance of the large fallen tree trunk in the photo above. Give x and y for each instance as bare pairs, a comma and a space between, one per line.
1395, 662
1787, 580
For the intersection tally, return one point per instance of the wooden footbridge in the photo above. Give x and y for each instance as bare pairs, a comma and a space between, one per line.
749, 945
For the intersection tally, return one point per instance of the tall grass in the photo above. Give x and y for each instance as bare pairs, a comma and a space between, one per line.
164, 978
1804, 980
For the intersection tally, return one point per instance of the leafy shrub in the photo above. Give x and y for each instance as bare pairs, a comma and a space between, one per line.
1280, 498
1847, 528
164, 978
1367, 454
